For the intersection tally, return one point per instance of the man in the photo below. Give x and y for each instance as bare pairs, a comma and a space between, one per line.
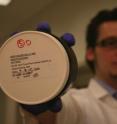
96, 104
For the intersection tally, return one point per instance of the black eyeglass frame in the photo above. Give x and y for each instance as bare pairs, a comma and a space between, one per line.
108, 42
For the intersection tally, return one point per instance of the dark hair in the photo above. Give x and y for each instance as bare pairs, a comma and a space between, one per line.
93, 29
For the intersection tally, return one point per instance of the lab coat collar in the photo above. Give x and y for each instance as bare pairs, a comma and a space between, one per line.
97, 90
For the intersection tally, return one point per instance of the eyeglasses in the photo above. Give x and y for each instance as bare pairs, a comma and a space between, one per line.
108, 42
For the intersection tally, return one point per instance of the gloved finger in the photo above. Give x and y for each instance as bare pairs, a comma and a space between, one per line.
69, 38
55, 105
44, 27
35, 109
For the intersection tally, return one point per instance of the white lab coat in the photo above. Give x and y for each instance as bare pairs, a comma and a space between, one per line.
92, 105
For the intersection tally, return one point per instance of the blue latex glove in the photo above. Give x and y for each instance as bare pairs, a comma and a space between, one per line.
54, 105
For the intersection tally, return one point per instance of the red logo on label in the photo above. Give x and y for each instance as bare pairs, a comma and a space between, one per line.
28, 42
22, 43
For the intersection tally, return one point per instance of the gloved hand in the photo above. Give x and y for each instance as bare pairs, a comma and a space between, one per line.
55, 105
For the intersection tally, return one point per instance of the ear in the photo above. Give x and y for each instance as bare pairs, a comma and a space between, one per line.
90, 54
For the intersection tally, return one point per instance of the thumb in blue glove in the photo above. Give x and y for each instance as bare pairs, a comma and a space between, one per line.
54, 105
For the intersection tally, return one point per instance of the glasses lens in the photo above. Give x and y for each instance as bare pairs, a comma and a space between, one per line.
110, 42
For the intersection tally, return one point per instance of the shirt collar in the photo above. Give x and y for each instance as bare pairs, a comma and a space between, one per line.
109, 89
97, 89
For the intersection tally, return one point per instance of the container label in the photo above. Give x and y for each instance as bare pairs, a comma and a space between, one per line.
23, 66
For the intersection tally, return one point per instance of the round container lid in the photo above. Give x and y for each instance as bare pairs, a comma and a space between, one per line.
34, 67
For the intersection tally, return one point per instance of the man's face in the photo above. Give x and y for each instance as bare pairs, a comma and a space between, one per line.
105, 54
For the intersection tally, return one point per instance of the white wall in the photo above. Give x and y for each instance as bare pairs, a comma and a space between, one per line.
69, 16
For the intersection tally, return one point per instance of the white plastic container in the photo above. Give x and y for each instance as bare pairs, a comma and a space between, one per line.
34, 67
